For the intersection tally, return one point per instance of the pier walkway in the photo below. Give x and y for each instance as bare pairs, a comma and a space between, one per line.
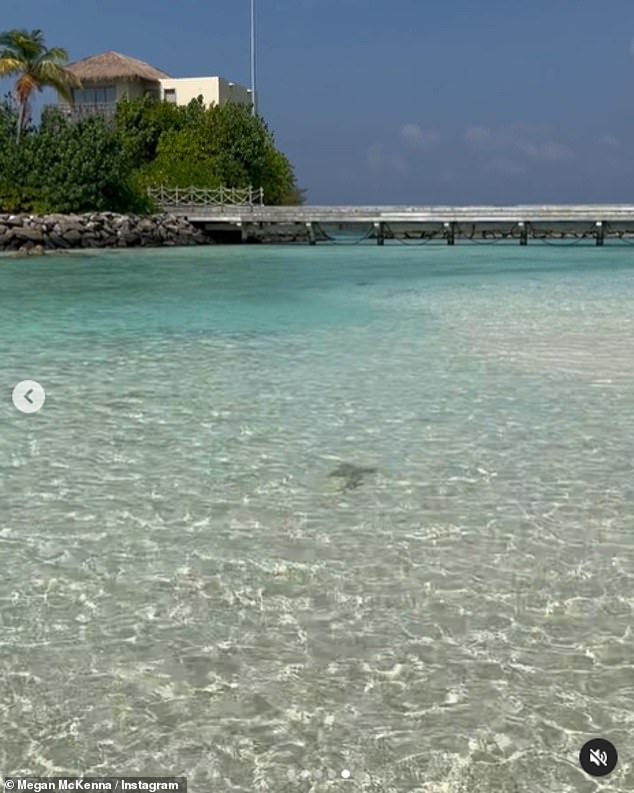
247, 215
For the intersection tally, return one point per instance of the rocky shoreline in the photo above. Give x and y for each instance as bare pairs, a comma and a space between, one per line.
37, 234
42, 233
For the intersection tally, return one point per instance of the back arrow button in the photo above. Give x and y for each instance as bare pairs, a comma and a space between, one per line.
28, 396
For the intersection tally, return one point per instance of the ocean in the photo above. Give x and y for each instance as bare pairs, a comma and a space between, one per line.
314, 519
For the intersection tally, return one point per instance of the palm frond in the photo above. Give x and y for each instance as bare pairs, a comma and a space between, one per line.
47, 70
61, 87
23, 43
9, 65
57, 54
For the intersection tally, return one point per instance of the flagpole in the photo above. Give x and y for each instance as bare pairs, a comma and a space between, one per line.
253, 94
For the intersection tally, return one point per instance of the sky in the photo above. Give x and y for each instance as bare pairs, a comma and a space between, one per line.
401, 101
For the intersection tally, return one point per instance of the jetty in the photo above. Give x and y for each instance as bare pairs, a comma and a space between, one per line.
243, 216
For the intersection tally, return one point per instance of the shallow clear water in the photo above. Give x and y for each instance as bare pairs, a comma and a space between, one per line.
187, 590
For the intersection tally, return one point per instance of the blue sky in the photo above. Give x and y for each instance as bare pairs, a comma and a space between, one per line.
402, 101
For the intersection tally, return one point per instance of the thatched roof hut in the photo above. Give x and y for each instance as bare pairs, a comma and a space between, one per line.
114, 67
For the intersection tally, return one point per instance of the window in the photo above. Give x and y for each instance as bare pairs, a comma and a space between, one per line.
105, 94
169, 95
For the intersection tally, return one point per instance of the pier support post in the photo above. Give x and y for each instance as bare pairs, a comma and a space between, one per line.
311, 234
599, 233
243, 231
450, 233
380, 233
523, 233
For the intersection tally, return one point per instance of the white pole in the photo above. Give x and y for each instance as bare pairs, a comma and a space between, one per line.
253, 94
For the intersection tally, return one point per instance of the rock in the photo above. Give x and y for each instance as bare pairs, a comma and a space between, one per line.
97, 230
130, 237
30, 234
71, 223
56, 218
57, 241
71, 235
351, 474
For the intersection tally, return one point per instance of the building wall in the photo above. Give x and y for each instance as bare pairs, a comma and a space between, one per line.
135, 89
232, 92
214, 90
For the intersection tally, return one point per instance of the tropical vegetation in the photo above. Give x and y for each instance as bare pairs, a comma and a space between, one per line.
24, 54
65, 165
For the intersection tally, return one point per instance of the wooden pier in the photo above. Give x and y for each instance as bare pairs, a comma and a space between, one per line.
244, 217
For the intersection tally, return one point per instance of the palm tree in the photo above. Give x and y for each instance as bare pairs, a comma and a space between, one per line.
25, 54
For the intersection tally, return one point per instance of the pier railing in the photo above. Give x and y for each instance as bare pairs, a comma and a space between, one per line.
177, 199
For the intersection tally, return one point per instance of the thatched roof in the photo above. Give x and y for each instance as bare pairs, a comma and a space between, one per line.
114, 66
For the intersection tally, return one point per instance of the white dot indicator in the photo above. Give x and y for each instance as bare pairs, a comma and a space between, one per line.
345, 774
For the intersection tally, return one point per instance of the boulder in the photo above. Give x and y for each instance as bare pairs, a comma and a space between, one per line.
57, 241
30, 234
130, 237
71, 235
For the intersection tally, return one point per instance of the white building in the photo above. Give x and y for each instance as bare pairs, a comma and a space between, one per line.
213, 90
110, 77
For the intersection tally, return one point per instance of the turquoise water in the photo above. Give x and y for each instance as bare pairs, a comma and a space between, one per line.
187, 589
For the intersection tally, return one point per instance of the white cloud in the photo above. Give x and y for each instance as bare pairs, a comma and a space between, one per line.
609, 140
477, 134
547, 151
418, 137
519, 141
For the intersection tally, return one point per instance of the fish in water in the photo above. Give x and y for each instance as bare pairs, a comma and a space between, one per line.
351, 474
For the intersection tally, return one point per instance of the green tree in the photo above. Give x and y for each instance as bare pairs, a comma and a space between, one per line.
279, 178
26, 55
82, 166
140, 124
8, 118
67, 167
183, 159
222, 146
